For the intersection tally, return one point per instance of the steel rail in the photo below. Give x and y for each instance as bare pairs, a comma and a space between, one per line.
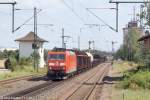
28, 91
47, 87
36, 90
106, 70
12, 80
81, 85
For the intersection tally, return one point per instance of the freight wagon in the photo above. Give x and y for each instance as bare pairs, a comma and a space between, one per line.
63, 63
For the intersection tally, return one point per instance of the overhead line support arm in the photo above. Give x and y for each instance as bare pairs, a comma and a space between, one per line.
13, 7
129, 1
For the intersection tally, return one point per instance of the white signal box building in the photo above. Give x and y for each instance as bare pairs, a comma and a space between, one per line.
29, 43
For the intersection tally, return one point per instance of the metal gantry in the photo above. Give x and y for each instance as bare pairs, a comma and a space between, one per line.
13, 7
114, 29
90, 42
63, 38
111, 1
117, 9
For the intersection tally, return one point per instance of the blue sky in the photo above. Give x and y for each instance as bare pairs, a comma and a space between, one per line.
57, 13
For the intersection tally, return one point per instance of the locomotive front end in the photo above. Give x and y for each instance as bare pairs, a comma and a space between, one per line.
56, 65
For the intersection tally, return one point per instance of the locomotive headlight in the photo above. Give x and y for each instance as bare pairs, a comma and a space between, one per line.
50, 67
51, 64
62, 64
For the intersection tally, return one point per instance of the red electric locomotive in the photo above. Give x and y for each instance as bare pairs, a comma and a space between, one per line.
63, 63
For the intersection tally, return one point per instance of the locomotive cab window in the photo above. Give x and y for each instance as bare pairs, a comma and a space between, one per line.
56, 57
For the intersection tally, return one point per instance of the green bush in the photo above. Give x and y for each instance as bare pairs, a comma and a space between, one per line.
141, 79
13, 64
25, 61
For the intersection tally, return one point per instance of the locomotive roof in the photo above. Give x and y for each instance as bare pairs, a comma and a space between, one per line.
78, 52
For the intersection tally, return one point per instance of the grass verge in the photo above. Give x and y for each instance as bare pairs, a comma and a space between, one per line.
133, 92
129, 94
23, 71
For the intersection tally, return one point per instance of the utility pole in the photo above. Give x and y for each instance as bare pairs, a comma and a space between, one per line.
133, 18
13, 6
112, 43
63, 39
90, 42
117, 4
89, 46
13, 17
35, 35
79, 42
113, 50
141, 19
134, 13
63, 45
93, 45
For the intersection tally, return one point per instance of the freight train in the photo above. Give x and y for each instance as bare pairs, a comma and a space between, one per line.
63, 63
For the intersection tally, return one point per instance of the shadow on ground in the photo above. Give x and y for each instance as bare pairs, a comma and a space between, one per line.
111, 80
43, 78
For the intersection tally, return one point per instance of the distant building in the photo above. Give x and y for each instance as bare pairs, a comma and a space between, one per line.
26, 46
131, 25
8, 49
145, 41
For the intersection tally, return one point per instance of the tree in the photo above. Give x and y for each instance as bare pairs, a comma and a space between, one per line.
129, 50
145, 52
133, 46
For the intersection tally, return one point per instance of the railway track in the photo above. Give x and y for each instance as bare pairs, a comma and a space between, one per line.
36, 90
31, 91
8, 81
85, 90
50, 85
90, 95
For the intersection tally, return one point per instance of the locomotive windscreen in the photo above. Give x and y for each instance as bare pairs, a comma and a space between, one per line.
56, 57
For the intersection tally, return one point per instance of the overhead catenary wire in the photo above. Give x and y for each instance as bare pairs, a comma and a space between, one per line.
26, 21
61, 22
86, 10
101, 19
72, 10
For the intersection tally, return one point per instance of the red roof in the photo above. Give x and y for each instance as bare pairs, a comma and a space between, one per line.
30, 37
